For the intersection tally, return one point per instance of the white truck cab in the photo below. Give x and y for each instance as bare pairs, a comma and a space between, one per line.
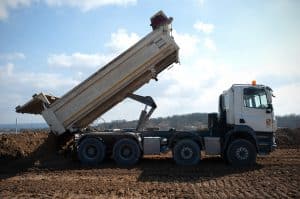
245, 124
250, 105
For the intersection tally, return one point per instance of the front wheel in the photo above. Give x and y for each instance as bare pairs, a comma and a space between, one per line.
241, 153
186, 152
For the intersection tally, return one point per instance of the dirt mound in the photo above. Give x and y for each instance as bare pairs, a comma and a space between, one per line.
32, 149
27, 144
288, 138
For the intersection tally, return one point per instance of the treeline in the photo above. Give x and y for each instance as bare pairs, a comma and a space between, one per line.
191, 121
180, 122
290, 121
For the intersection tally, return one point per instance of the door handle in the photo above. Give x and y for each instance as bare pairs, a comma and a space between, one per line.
242, 121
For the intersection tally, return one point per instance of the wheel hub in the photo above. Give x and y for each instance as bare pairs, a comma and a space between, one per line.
242, 153
91, 151
186, 153
126, 152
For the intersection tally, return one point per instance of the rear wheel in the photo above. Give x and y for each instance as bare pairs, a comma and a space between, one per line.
186, 152
91, 151
241, 153
126, 152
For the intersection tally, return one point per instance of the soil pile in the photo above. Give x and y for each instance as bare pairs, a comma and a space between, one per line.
27, 144
32, 149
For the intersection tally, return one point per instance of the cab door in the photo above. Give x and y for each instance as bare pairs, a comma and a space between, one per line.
256, 111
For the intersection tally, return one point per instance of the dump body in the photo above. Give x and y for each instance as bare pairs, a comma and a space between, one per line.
108, 86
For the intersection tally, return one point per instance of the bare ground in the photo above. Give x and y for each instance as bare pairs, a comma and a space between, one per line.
40, 175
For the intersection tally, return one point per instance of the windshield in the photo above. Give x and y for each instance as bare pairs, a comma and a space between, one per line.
255, 98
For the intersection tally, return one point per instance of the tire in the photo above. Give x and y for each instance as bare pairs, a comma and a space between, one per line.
126, 152
91, 151
186, 152
241, 153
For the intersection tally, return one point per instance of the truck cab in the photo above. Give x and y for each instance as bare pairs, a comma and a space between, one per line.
249, 105
245, 123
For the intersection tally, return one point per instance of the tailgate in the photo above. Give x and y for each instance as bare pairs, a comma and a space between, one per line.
36, 104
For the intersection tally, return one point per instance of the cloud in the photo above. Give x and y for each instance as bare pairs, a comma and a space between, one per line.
89, 5
121, 40
188, 43
17, 88
195, 84
204, 27
210, 44
287, 99
78, 60
7, 5
22, 80
200, 2
12, 56
6, 70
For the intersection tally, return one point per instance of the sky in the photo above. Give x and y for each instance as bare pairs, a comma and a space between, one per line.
50, 46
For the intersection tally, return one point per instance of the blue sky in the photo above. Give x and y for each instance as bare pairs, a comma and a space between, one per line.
52, 45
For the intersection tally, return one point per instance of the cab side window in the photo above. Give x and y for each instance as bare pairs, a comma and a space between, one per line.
255, 98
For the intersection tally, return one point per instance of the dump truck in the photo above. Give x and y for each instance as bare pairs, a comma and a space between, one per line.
242, 129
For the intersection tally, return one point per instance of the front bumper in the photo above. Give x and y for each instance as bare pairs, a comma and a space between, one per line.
266, 142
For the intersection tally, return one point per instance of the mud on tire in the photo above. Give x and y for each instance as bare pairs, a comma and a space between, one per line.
91, 151
186, 152
241, 153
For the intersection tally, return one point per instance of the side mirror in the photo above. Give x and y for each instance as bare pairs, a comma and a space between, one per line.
269, 108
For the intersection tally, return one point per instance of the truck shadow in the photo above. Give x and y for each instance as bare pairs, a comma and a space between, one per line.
148, 169
165, 170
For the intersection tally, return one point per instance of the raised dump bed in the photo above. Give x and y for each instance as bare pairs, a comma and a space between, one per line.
111, 84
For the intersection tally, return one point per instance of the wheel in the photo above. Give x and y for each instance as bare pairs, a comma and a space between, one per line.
241, 153
186, 152
126, 152
91, 151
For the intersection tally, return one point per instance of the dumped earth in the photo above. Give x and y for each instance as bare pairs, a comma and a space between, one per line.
32, 165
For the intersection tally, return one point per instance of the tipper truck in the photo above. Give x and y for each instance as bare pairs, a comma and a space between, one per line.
243, 127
